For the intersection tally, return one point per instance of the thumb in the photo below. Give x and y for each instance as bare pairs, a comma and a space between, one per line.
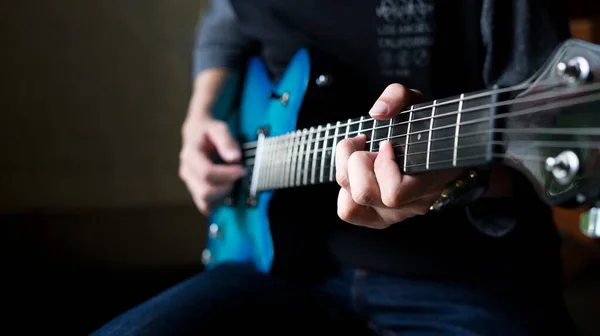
227, 148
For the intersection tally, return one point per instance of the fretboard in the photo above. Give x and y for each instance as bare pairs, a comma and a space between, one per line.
443, 134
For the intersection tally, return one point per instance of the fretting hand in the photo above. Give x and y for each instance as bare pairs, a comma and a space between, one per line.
374, 193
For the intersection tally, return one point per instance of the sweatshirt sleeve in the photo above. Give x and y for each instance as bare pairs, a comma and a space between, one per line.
219, 41
519, 35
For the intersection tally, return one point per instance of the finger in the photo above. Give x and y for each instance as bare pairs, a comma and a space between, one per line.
356, 214
206, 170
224, 174
361, 177
388, 176
393, 100
203, 194
375, 218
343, 150
227, 148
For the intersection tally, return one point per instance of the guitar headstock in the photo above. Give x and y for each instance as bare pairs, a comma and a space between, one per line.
550, 129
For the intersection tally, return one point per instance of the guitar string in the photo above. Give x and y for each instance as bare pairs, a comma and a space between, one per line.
532, 145
590, 88
502, 116
282, 181
289, 176
563, 131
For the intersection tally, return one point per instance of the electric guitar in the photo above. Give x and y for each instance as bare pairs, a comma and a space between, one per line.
547, 127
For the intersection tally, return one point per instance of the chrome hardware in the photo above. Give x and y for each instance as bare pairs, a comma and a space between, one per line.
589, 222
574, 70
206, 256
214, 230
284, 98
324, 80
563, 167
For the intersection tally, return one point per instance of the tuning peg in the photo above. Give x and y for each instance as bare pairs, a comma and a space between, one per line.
589, 222
574, 70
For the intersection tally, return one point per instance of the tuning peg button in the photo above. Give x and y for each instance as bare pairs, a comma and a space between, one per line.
574, 70
563, 167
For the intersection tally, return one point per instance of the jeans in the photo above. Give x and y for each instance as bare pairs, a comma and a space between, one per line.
233, 299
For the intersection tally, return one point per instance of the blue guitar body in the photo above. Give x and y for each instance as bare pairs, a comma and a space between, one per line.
239, 232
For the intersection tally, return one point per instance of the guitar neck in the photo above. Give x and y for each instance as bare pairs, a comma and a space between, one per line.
444, 134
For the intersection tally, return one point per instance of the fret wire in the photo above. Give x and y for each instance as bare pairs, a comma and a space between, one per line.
373, 135
269, 160
407, 136
307, 158
455, 153
360, 123
288, 159
297, 136
389, 135
316, 151
293, 141
274, 173
429, 136
333, 151
277, 165
347, 128
323, 154
282, 158
301, 157
264, 171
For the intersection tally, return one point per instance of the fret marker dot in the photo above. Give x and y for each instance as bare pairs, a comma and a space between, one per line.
419, 136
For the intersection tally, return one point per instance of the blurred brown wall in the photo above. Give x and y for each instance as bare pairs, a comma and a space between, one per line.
93, 96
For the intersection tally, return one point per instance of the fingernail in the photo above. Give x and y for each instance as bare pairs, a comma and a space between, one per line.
379, 108
233, 155
382, 143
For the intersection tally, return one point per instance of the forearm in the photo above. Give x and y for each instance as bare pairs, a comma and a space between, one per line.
208, 86
211, 86
220, 50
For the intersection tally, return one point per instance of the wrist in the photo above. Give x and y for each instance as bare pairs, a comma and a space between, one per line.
192, 123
